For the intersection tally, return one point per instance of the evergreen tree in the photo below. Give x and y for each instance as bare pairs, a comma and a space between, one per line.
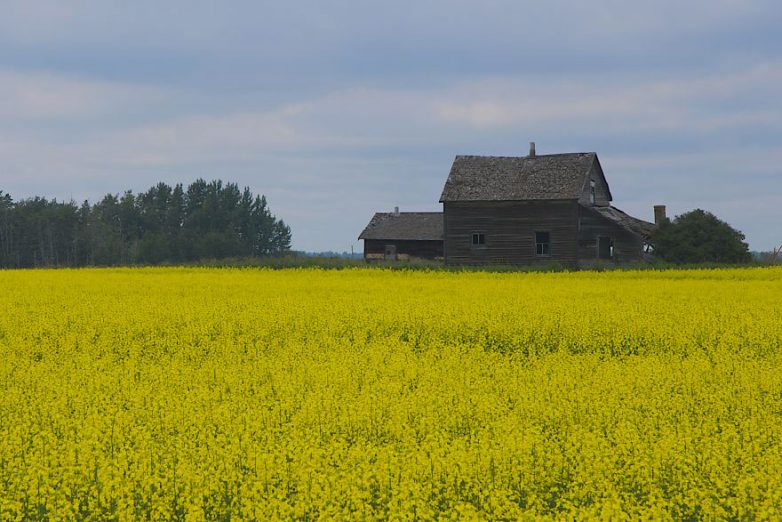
207, 220
7, 250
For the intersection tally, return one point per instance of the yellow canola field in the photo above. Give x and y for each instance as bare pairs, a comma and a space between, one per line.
192, 394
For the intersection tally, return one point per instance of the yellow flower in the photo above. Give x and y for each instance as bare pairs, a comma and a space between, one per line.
374, 394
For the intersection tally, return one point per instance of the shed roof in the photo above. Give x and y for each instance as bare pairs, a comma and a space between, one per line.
510, 178
416, 226
626, 221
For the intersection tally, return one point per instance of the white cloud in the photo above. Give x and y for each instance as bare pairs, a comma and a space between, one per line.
619, 102
188, 25
27, 97
327, 161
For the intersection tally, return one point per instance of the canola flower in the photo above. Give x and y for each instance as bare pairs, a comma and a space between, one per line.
203, 394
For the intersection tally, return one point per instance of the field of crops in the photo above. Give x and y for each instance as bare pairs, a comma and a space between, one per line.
256, 394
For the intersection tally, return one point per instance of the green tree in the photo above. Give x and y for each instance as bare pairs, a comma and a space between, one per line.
699, 237
164, 224
154, 248
281, 238
8, 249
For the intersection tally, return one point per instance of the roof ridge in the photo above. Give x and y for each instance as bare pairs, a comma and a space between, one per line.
527, 157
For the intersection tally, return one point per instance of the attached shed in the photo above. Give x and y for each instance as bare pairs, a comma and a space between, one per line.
403, 235
608, 234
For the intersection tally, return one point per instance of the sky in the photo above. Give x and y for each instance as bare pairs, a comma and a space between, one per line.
336, 110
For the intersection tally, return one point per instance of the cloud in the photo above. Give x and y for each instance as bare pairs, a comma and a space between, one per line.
359, 119
337, 110
30, 97
697, 103
301, 45
373, 144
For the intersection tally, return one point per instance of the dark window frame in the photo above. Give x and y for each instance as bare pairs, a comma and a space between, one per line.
478, 240
542, 248
611, 250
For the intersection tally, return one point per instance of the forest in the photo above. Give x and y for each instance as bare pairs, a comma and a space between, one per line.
165, 224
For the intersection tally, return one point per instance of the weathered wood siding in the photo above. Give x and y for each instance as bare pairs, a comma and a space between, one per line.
601, 188
509, 228
374, 249
627, 246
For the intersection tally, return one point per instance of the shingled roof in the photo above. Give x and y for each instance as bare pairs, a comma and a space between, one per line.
421, 226
626, 221
508, 178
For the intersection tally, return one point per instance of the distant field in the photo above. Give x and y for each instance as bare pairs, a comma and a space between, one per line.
201, 393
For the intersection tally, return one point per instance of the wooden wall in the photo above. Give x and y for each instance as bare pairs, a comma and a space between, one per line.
374, 249
601, 188
627, 246
510, 228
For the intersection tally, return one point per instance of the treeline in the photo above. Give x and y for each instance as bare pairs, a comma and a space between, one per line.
206, 220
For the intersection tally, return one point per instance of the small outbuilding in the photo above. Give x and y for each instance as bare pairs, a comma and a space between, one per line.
403, 235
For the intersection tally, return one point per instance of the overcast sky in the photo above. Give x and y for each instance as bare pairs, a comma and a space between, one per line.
335, 110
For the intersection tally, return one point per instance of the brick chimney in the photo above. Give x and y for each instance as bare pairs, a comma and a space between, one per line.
532, 149
659, 214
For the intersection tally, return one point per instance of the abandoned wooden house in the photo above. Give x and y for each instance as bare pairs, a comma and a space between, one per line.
403, 236
519, 210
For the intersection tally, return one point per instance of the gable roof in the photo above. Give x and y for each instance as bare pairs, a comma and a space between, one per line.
510, 178
417, 226
636, 226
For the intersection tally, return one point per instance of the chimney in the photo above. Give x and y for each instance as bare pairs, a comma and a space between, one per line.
396, 210
532, 149
659, 214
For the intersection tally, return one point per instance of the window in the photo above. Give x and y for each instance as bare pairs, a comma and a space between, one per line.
478, 239
592, 191
605, 248
542, 243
